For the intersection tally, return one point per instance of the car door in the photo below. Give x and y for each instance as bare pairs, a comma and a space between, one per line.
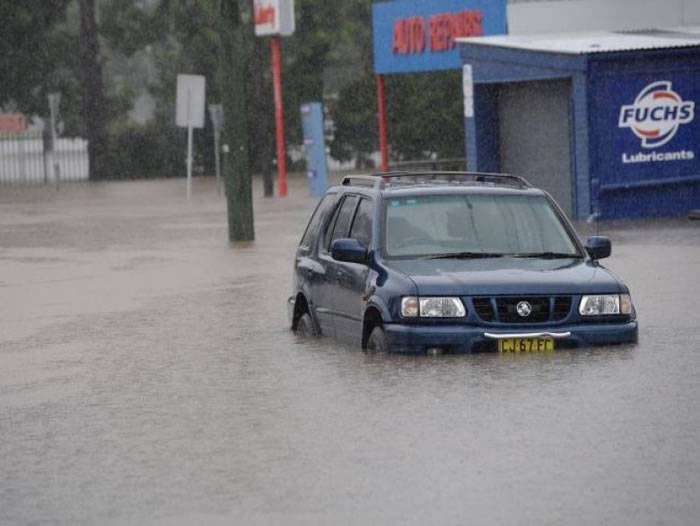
327, 287
309, 273
352, 279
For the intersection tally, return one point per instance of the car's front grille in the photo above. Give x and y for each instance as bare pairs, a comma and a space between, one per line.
508, 311
484, 308
562, 307
522, 309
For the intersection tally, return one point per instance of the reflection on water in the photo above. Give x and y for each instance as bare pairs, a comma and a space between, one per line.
148, 375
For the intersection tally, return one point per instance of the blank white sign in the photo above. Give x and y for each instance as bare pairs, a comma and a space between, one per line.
190, 101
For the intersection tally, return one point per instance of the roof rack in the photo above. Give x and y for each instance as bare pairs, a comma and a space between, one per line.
384, 179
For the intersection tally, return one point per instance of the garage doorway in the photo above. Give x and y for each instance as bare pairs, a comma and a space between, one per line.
534, 135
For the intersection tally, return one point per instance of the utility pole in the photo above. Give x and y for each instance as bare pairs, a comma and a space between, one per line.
94, 115
232, 75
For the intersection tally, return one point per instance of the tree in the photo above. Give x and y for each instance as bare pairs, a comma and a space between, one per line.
32, 48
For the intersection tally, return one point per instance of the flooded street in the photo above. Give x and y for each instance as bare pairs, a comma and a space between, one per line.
148, 375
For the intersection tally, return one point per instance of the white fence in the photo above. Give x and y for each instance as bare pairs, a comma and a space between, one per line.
24, 158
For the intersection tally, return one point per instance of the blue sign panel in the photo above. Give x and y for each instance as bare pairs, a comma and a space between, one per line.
314, 147
647, 127
419, 35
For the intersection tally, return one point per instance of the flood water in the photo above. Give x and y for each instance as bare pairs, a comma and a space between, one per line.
147, 375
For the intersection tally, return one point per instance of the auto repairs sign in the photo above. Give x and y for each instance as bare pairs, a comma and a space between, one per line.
420, 35
647, 126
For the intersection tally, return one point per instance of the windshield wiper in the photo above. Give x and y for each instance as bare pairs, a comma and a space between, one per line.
465, 255
546, 255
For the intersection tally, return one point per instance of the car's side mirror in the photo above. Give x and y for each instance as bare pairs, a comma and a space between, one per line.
598, 247
349, 250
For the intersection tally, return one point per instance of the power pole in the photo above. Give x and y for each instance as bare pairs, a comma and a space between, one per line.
232, 75
94, 103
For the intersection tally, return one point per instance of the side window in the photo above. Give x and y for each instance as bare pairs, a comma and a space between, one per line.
341, 224
312, 228
362, 225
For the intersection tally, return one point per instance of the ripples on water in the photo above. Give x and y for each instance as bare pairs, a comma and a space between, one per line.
196, 404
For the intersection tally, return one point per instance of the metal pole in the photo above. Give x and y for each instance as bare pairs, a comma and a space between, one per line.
381, 117
217, 160
189, 161
279, 115
189, 146
54, 101
216, 111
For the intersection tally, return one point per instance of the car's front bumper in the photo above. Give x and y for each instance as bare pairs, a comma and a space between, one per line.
466, 338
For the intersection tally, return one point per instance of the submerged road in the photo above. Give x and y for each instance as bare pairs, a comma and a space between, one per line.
147, 375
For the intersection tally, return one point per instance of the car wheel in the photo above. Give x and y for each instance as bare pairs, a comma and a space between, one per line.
305, 326
376, 342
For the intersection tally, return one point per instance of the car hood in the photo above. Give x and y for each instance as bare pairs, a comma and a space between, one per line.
466, 277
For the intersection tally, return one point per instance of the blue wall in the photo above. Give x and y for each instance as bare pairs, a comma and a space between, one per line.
631, 179
606, 179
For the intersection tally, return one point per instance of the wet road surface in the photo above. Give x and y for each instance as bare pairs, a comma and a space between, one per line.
147, 375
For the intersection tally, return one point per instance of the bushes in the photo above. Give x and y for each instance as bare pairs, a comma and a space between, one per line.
147, 152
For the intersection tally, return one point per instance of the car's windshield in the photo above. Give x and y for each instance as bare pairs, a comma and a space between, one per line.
477, 225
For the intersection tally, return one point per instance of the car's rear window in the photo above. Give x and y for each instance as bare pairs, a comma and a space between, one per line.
489, 223
319, 213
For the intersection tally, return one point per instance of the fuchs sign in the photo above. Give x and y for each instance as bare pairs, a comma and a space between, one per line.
274, 17
420, 35
655, 119
656, 114
644, 127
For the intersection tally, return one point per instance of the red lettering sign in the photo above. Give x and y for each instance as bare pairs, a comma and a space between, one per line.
444, 29
12, 123
265, 16
408, 36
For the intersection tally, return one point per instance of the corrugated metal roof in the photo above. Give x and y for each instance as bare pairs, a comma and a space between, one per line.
595, 41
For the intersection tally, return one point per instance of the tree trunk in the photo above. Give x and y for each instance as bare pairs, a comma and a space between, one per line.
94, 102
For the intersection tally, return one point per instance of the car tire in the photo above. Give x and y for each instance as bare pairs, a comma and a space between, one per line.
306, 328
377, 343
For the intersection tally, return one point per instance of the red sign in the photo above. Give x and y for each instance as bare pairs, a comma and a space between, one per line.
12, 123
264, 15
414, 35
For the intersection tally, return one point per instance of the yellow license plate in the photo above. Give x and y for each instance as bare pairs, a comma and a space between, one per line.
526, 345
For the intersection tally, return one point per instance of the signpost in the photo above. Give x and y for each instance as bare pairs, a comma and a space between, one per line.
216, 112
314, 147
275, 18
190, 113
54, 102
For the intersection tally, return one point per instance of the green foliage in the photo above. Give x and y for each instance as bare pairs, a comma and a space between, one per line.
31, 53
355, 120
424, 114
329, 58
150, 151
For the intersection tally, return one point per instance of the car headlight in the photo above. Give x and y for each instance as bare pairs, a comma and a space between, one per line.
605, 305
437, 307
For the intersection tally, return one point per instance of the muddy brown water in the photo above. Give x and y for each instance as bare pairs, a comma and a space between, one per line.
147, 375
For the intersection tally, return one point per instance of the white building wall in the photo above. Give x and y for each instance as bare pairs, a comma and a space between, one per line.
563, 16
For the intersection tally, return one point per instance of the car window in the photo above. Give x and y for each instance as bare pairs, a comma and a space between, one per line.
320, 212
500, 224
341, 224
362, 225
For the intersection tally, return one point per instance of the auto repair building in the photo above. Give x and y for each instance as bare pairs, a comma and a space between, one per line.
605, 121
579, 96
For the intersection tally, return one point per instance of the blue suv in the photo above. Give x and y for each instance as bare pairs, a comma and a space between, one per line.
438, 262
